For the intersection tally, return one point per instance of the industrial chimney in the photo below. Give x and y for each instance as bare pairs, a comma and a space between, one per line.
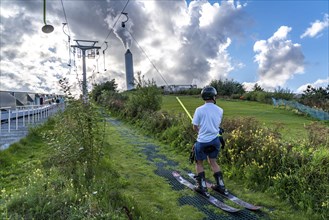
129, 70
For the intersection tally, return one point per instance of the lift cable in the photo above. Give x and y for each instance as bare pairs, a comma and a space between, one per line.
68, 26
148, 58
110, 32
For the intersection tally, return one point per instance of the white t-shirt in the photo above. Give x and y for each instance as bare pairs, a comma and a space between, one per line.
208, 118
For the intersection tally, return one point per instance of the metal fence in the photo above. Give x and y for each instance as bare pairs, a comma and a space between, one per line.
15, 122
315, 113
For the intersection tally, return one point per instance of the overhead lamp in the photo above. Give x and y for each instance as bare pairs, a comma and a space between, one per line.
47, 28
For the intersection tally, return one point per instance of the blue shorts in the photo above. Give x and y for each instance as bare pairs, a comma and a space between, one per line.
204, 150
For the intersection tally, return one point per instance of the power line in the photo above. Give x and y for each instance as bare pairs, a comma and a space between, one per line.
110, 32
148, 58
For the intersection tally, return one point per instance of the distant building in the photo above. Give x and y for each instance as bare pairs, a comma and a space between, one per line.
177, 88
10, 99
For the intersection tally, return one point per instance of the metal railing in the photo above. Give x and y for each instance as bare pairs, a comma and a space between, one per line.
26, 115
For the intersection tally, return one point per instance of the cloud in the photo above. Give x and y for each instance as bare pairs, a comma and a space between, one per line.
278, 59
248, 86
318, 83
185, 42
200, 51
316, 27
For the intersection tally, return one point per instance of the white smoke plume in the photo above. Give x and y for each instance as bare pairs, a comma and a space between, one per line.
123, 30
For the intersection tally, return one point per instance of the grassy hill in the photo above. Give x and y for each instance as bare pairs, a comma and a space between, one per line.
132, 175
291, 122
132, 181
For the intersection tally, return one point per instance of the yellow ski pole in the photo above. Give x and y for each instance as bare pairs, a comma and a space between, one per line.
192, 153
184, 108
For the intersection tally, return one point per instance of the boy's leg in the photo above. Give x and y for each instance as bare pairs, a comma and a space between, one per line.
220, 186
201, 186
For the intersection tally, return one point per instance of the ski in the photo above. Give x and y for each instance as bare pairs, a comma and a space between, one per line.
231, 197
210, 199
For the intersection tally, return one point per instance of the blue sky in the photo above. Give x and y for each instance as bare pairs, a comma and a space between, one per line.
272, 43
268, 16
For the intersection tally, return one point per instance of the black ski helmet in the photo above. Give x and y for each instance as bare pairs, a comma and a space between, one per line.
208, 93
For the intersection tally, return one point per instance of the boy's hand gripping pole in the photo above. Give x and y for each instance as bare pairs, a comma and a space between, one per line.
184, 108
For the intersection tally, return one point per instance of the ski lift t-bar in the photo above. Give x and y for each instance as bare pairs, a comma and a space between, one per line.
184, 108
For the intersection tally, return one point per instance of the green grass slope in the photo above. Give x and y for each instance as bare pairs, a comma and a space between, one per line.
125, 184
292, 123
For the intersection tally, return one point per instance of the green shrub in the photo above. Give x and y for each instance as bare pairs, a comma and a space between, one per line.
227, 87
76, 142
180, 136
254, 149
306, 186
250, 96
259, 96
297, 172
50, 195
108, 86
280, 93
113, 100
147, 98
316, 97
156, 122
236, 96
318, 134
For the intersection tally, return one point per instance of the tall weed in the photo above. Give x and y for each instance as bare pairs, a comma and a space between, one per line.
307, 186
254, 149
318, 134
298, 172
47, 194
146, 98
180, 136
76, 142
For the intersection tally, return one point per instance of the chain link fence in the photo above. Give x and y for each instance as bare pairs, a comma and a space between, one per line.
315, 113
